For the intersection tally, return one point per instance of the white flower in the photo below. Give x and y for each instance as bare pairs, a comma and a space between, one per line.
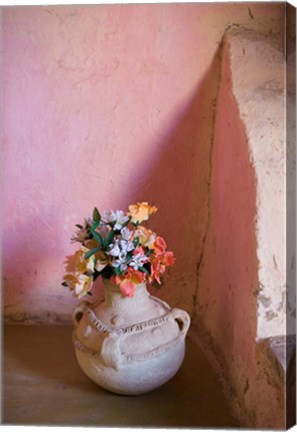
114, 248
120, 247
119, 250
120, 262
108, 216
126, 233
126, 246
137, 261
118, 217
123, 267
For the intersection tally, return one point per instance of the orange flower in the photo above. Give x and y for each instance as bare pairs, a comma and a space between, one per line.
156, 270
168, 259
128, 281
140, 212
83, 265
159, 246
159, 264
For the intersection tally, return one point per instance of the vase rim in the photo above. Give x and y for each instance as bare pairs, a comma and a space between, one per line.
110, 283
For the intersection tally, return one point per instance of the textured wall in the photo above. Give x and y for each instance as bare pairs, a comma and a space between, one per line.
227, 315
106, 105
291, 168
261, 101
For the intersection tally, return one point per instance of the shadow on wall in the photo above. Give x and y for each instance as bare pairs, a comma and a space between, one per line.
178, 185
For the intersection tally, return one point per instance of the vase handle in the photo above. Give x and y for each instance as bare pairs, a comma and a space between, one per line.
79, 311
110, 351
182, 319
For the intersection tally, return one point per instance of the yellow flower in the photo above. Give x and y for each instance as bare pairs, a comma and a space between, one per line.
100, 258
101, 261
146, 236
79, 283
91, 244
82, 264
140, 212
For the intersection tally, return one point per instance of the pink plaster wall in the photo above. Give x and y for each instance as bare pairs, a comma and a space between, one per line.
106, 105
226, 307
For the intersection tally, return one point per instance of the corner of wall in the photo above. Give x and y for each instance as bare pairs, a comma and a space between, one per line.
242, 284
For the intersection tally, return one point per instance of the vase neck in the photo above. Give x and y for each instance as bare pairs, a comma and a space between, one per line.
115, 299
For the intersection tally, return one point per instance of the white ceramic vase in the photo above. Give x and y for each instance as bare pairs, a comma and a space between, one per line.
129, 345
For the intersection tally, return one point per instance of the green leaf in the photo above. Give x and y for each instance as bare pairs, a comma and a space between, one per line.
144, 270
129, 255
118, 271
92, 252
79, 226
98, 237
94, 226
96, 215
108, 239
136, 241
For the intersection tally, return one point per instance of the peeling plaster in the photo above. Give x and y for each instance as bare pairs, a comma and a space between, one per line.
261, 103
233, 297
266, 301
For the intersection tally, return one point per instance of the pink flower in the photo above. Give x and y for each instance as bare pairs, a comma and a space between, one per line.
139, 251
128, 281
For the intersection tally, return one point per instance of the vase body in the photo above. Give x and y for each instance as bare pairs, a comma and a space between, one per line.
129, 345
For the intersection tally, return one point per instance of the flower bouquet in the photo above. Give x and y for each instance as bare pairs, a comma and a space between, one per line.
116, 246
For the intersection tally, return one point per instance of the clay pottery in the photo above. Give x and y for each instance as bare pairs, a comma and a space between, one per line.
129, 345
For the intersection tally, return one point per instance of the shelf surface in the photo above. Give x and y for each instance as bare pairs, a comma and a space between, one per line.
43, 385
